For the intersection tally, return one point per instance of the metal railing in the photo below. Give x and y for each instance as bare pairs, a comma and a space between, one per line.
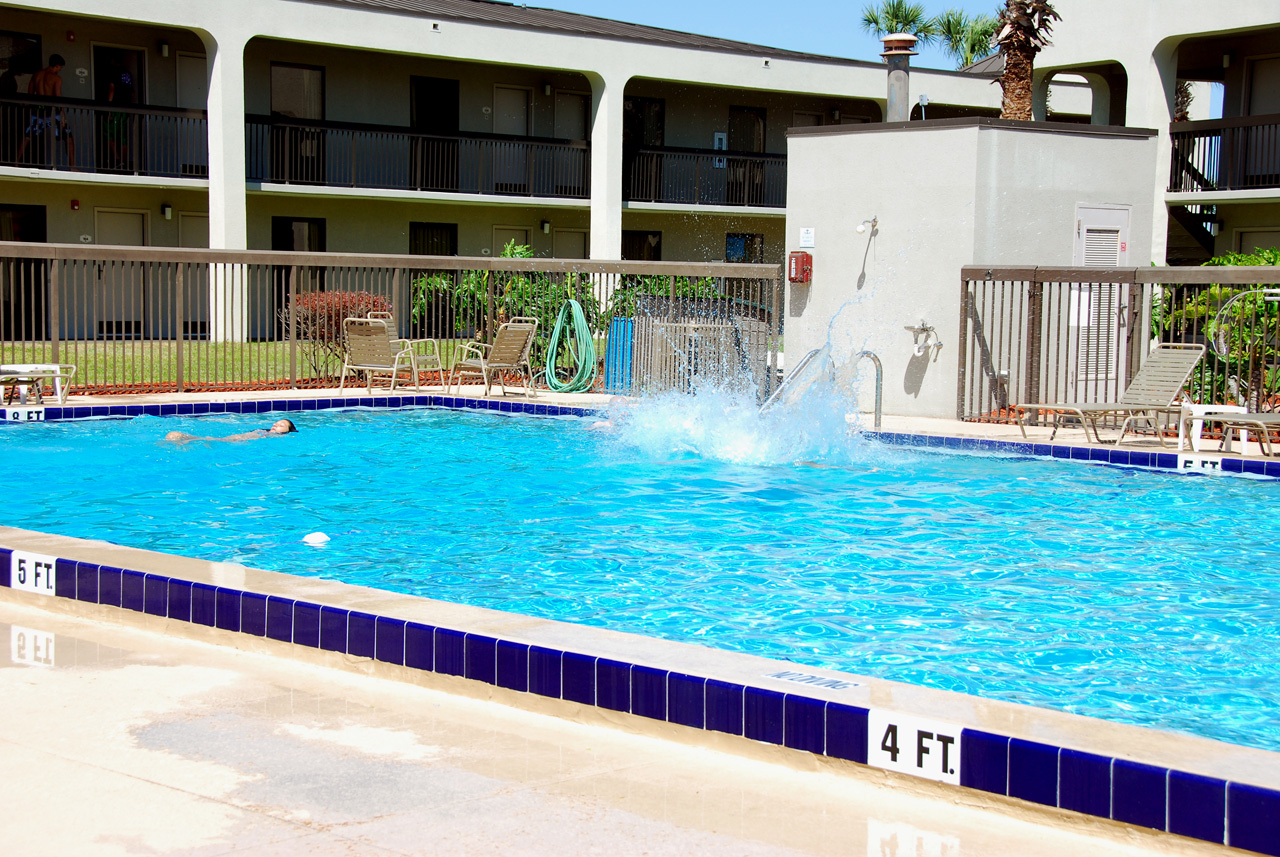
136, 319
342, 154
1225, 154
707, 177
85, 136
1080, 334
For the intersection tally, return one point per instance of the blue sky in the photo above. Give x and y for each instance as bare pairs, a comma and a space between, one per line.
819, 26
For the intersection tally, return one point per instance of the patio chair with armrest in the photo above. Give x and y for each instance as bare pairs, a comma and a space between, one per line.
1154, 391
25, 378
509, 352
425, 353
1261, 424
371, 349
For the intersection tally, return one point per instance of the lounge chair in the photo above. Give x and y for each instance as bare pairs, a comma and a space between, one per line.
374, 350
1261, 424
509, 352
22, 378
1154, 390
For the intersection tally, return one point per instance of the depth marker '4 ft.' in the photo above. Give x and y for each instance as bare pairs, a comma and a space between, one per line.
914, 745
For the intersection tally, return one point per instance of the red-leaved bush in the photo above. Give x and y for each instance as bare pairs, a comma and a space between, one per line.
319, 317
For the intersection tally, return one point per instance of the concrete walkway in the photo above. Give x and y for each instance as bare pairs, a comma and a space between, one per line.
119, 741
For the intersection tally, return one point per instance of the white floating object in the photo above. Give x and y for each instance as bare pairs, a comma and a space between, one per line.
315, 539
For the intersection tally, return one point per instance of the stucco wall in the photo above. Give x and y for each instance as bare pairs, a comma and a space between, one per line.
947, 194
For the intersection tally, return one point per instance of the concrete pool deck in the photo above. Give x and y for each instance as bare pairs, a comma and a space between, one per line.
122, 740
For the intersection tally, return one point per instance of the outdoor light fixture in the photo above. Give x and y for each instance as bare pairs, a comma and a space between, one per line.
166, 211
873, 223
546, 89
75, 205
546, 227
164, 49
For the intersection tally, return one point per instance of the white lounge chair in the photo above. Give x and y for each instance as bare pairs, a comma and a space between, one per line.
24, 379
1154, 390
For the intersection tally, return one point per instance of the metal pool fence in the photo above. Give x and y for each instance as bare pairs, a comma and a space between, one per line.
140, 319
1080, 334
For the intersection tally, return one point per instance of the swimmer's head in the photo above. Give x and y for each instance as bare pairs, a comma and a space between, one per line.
283, 427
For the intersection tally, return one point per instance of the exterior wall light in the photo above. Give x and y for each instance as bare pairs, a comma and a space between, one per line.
166, 211
873, 223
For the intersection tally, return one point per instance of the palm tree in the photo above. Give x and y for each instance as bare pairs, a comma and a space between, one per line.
1025, 26
898, 16
966, 38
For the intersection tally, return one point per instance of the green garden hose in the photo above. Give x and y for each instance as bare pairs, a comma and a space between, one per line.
582, 348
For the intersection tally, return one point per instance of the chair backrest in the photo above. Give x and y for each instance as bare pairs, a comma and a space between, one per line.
513, 343
1162, 376
368, 342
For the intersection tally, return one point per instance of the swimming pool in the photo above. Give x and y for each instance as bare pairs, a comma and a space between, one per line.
1119, 594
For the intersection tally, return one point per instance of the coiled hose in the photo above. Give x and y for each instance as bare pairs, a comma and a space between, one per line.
582, 348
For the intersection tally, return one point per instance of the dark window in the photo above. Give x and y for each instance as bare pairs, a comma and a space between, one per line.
744, 247
433, 239
298, 234
641, 246
23, 282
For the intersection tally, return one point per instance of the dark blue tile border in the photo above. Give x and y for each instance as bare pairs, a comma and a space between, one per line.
1139, 793
1253, 819
1198, 807
984, 761
1084, 783
1033, 772
762, 713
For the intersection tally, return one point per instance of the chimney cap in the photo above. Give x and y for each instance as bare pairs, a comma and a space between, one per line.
899, 44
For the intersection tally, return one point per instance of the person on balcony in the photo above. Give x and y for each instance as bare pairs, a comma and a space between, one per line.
48, 120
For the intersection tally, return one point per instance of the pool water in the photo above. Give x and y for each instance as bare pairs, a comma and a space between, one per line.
1122, 594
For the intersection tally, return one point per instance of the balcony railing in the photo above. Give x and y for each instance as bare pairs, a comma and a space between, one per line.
707, 177
88, 137
1225, 154
339, 154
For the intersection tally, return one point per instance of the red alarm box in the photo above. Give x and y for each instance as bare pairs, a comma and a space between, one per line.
799, 267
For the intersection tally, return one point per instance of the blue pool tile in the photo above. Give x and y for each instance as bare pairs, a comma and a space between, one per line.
1232, 465
388, 644
1120, 456
6, 562
228, 609
101, 411
1138, 793
253, 614
155, 595
1033, 772
306, 624
151, 410
310, 405
86, 580
481, 658
649, 692
180, 600
333, 629
847, 732
168, 410
1084, 783
1102, 455
420, 646
1258, 468
451, 655
201, 408
1141, 459
229, 408
613, 685
132, 590
1272, 469
64, 578
1083, 453
724, 706
217, 407
805, 723
686, 700
379, 402
1197, 806
186, 409
1060, 451
512, 665
578, 678
204, 604
360, 634
1166, 460
544, 671
762, 713
984, 761
279, 618
1253, 818
505, 407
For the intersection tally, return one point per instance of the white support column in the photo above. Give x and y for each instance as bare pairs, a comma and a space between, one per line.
606, 166
1151, 106
228, 205
228, 211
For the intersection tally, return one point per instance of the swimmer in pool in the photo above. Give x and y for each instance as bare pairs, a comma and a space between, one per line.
279, 428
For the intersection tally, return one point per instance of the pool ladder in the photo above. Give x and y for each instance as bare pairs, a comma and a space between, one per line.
808, 358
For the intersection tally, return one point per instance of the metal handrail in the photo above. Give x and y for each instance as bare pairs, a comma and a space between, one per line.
879, 380
793, 374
